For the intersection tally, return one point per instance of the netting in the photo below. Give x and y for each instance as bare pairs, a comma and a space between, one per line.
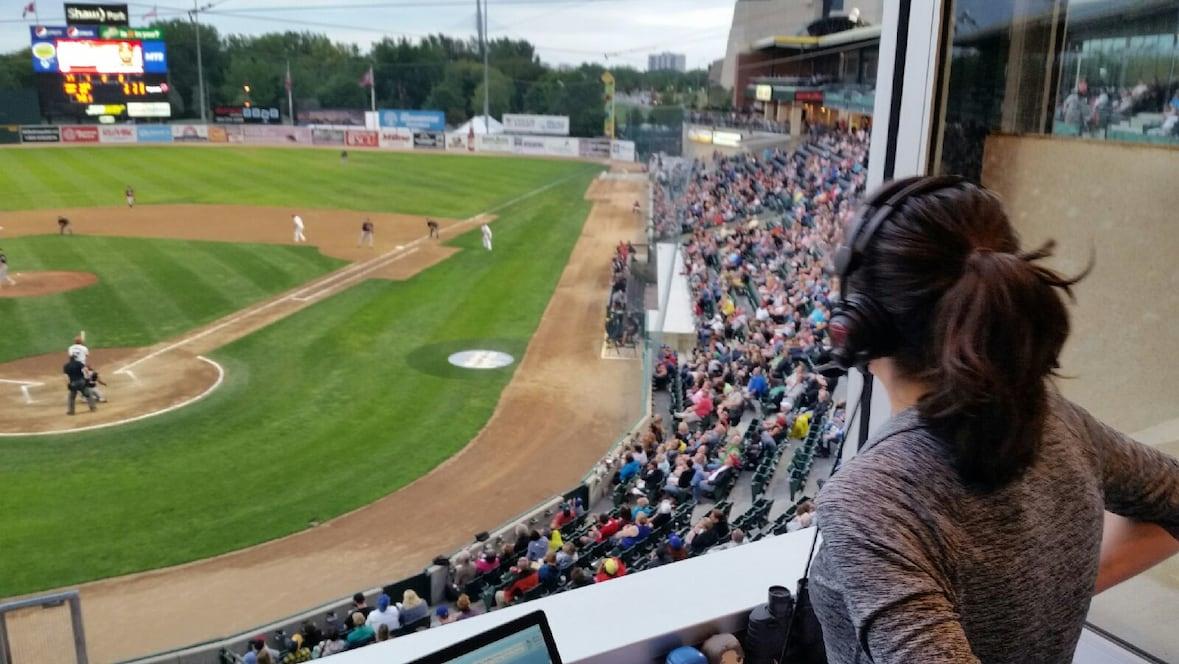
41, 635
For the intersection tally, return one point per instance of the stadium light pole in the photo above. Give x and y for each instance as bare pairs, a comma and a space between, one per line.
482, 18
196, 23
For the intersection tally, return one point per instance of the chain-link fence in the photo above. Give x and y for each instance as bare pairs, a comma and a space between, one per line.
43, 630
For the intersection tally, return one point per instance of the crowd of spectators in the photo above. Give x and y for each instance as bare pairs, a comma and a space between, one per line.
738, 120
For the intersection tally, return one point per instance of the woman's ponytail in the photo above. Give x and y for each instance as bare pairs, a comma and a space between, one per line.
998, 332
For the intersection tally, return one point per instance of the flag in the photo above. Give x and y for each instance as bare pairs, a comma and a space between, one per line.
366, 81
30, 8
154, 13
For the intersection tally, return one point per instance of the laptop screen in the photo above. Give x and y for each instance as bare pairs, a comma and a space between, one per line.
524, 647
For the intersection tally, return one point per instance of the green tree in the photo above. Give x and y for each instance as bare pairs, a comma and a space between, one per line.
500, 99
16, 69
180, 36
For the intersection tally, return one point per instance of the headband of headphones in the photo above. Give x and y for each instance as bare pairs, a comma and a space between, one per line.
875, 211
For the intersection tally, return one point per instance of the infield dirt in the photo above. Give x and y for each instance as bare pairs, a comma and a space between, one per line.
562, 410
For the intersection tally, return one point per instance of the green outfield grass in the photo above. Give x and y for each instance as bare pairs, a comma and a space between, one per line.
147, 290
321, 413
412, 183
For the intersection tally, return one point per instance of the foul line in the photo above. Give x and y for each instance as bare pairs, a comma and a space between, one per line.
137, 418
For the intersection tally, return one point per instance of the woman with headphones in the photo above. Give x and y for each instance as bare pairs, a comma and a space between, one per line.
969, 529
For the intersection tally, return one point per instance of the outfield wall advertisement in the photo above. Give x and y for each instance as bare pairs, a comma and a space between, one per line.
430, 121
79, 134
275, 134
40, 134
190, 133
390, 138
396, 138
362, 138
549, 125
116, 133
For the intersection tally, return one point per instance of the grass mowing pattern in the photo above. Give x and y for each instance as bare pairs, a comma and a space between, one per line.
323, 412
147, 290
411, 183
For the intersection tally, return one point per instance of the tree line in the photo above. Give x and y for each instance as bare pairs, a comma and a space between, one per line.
434, 72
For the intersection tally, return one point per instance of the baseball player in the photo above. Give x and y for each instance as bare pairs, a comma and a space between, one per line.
298, 222
486, 237
366, 233
92, 382
130, 194
4, 278
63, 226
79, 351
433, 227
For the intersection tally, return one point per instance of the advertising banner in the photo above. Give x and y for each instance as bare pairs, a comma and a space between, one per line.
40, 134
153, 133
362, 138
326, 136
149, 109
594, 148
543, 146
79, 134
550, 125
78, 14
218, 134
332, 116
726, 139
459, 141
811, 96
188, 133
622, 150
493, 143
429, 140
116, 134
246, 115
398, 138
275, 134
432, 121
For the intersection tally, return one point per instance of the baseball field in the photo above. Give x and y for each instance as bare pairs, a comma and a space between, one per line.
256, 387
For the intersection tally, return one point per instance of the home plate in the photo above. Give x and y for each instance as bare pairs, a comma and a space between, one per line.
400, 247
480, 359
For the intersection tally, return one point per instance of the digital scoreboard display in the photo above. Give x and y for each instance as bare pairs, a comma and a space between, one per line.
84, 69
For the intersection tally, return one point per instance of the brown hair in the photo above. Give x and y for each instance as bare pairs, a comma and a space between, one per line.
974, 317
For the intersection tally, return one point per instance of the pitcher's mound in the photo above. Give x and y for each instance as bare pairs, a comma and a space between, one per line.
32, 284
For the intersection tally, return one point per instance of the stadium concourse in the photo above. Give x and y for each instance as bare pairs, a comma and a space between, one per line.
743, 428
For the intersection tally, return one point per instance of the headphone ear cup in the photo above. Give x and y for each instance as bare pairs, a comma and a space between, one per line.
860, 331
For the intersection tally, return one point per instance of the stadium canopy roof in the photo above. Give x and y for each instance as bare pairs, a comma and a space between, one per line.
810, 43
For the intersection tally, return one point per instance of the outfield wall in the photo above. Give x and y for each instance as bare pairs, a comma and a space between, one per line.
345, 137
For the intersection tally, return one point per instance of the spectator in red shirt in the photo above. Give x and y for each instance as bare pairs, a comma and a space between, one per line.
611, 568
526, 579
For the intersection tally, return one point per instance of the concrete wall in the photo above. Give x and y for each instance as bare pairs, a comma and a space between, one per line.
1119, 201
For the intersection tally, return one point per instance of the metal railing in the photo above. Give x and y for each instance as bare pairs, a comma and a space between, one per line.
23, 626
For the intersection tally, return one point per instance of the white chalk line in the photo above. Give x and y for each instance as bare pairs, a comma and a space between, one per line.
137, 418
29, 383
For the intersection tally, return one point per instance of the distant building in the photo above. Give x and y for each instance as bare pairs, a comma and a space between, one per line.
667, 62
755, 20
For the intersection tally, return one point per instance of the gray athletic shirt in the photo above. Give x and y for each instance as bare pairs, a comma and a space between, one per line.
916, 566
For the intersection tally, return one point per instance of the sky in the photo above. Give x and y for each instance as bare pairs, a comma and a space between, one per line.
610, 32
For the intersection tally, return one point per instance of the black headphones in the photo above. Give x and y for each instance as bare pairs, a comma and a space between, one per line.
860, 328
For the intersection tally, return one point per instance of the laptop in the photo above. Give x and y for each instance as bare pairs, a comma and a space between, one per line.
525, 640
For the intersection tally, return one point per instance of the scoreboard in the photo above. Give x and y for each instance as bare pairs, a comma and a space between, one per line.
100, 70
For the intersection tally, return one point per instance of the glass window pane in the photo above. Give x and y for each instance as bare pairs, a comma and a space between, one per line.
1069, 109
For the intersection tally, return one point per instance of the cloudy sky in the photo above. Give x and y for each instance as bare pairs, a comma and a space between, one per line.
565, 31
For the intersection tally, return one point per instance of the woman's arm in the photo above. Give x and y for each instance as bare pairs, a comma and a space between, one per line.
1129, 548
